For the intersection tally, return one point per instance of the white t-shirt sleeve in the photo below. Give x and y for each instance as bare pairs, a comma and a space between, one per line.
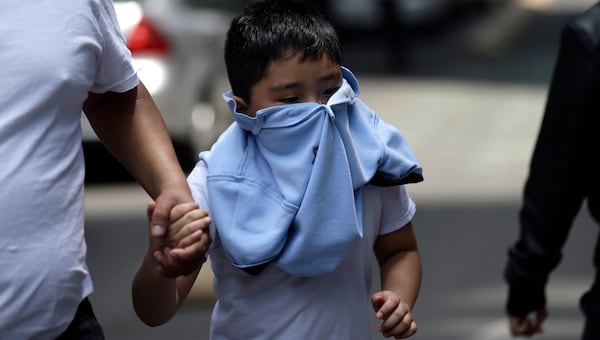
398, 209
197, 183
115, 70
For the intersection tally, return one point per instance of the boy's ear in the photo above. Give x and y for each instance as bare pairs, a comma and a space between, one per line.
240, 103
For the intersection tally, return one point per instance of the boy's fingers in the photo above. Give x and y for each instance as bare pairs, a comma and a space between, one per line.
387, 306
184, 234
185, 260
397, 320
181, 209
377, 301
169, 267
410, 331
158, 256
196, 236
190, 220
397, 323
193, 251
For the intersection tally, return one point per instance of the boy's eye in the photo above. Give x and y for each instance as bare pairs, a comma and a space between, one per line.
290, 100
327, 93
331, 91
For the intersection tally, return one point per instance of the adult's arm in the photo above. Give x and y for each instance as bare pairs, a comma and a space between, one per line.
131, 127
558, 177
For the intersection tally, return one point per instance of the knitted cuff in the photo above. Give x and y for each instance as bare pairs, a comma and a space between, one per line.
524, 300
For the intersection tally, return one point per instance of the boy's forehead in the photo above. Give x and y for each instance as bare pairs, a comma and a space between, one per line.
293, 60
291, 55
281, 71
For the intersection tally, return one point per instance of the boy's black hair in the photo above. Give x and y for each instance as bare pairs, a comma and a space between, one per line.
268, 31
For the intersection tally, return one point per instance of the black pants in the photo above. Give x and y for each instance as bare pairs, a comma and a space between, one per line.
84, 325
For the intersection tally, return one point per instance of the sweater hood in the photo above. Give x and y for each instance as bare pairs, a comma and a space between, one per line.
283, 186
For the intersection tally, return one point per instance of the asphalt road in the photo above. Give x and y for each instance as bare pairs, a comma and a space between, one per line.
463, 250
470, 106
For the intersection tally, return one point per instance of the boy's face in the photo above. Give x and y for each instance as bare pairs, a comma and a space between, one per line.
293, 80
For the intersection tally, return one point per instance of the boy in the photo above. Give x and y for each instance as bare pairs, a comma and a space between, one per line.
291, 187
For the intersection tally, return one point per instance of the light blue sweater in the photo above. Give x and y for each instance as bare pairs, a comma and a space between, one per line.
283, 186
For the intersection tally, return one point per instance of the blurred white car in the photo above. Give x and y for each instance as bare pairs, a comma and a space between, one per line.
177, 49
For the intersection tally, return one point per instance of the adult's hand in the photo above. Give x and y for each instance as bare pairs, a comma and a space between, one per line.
527, 325
160, 217
178, 253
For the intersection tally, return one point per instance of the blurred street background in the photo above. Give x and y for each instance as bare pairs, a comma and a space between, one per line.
468, 92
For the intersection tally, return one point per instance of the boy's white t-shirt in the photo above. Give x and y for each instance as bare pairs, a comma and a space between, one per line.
276, 305
53, 53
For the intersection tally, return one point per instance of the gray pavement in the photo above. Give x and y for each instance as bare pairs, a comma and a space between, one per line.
472, 120
474, 139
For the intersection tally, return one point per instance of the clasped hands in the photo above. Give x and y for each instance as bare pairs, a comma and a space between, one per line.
180, 248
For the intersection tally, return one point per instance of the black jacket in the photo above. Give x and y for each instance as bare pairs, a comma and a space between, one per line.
563, 170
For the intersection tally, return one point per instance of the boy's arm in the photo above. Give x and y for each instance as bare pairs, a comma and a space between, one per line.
400, 268
156, 298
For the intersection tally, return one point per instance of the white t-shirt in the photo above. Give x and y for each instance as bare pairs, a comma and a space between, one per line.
52, 53
276, 305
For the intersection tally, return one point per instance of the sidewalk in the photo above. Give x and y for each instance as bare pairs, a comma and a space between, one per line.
473, 139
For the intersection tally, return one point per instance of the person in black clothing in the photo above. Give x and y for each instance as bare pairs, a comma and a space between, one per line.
564, 173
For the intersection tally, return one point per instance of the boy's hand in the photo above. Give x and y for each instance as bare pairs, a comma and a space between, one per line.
396, 315
183, 249
188, 222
